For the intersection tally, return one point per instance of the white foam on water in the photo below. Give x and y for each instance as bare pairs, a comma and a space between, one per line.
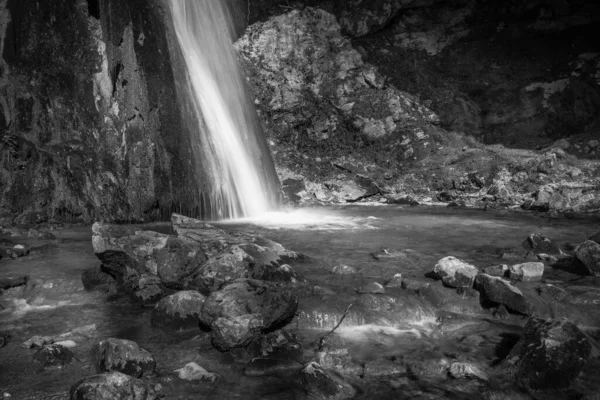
308, 219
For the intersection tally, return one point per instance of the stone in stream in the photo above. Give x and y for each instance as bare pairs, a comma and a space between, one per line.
319, 383
112, 386
459, 370
548, 357
244, 308
455, 273
179, 311
193, 372
531, 271
53, 356
395, 281
386, 253
371, 287
496, 290
343, 270
589, 254
537, 243
553, 292
123, 356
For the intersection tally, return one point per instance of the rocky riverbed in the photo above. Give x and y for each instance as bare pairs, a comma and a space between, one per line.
227, 304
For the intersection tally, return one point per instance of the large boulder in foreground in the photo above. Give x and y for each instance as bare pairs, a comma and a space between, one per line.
548, 357
242, 309
113, 386
496, 290
122, 356
455, 273
589, 254
179, 311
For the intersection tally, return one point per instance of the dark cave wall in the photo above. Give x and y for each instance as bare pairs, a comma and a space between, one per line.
90, 125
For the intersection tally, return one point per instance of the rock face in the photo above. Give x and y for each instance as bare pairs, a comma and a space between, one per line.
90, 134
589, 254
113, 386
243, 309
455, 273
179, 311
497, 290
549, 356
122, 356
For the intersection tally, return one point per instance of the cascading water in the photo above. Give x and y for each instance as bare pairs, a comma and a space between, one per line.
235, 159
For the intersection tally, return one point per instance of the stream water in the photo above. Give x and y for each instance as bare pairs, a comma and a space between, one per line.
55, 302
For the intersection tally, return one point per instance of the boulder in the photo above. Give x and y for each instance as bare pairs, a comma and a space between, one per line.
538, 243
496, 290
111, 386
553, 292
246, 307
53, 356
455, 273
589, 254
531, 271
548, 357
496, 270
122, 356
179, 311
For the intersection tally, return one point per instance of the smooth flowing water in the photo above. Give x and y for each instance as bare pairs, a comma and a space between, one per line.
54, 302
229, 140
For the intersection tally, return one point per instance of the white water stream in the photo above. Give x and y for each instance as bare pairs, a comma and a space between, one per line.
235, 158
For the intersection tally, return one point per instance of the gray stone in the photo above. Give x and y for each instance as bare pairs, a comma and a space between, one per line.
455, 273
112, 386
343, 270
53, 356
122, 356
589, 254
531, 271
499, 291
548, 357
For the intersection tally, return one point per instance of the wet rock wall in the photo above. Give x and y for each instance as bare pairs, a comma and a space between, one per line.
90, 126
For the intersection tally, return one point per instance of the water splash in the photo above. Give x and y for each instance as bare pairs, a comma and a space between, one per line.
234, 156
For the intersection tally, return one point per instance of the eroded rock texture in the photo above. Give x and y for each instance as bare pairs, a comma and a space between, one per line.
89, 121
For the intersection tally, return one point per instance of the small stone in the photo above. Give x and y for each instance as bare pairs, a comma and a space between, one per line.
460, 370
343, 270
193, 372
395, 282
553, 291
531, 271
371, 287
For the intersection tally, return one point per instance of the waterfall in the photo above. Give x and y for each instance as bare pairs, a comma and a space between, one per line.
234, 156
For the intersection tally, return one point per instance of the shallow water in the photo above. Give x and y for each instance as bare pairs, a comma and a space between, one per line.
56, 302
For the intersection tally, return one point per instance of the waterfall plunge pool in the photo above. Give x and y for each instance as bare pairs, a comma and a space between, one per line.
54, 302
